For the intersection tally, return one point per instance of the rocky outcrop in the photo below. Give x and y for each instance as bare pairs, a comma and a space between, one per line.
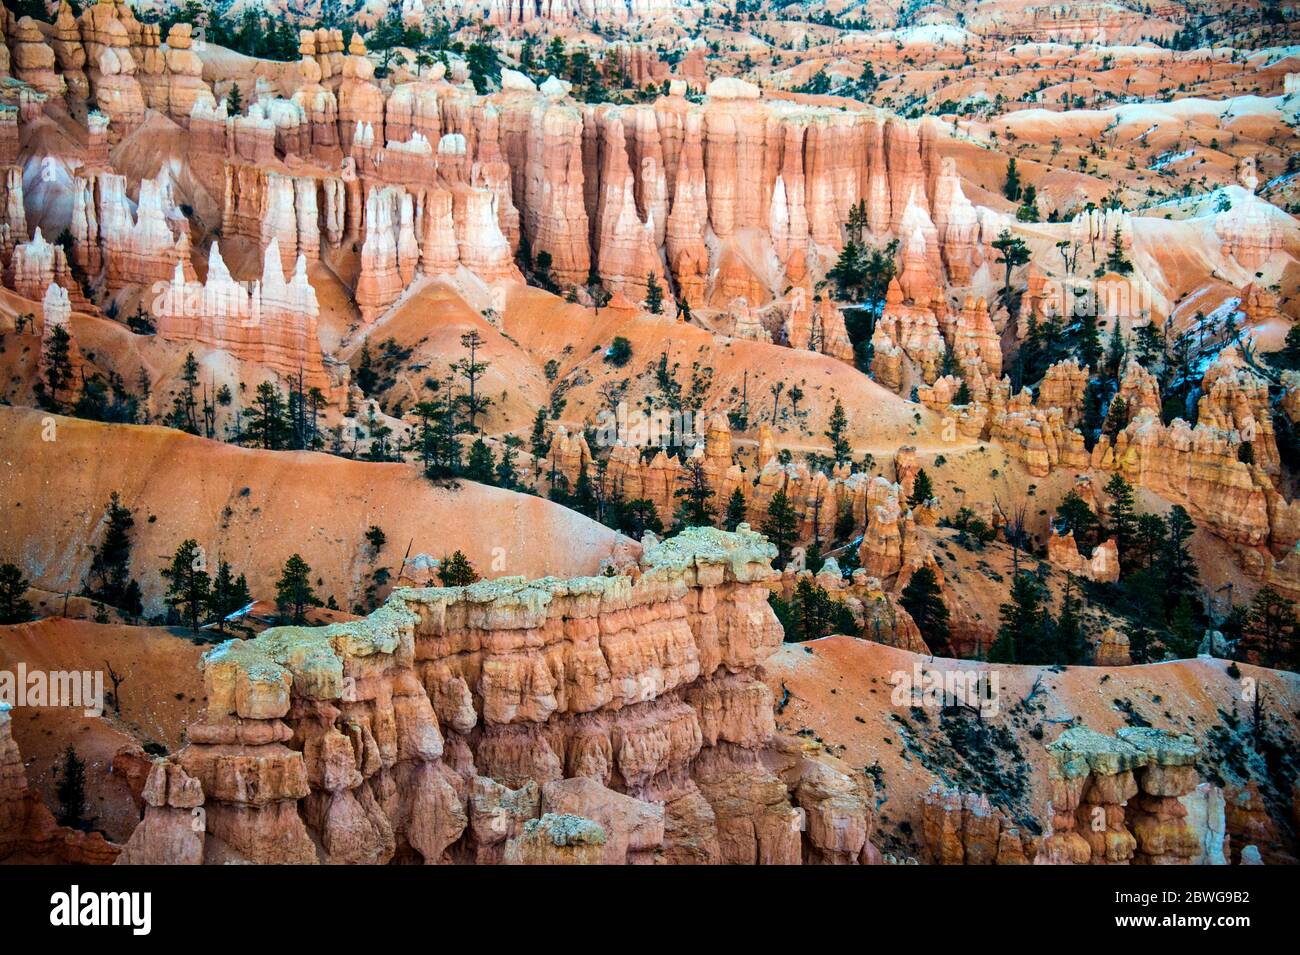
174, 826
271, 324
28, 831
965, 829
144, 247
1116, 800
1102, 565
476, 723
108, 32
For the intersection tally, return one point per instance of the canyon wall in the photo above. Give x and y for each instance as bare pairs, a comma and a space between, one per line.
614, 719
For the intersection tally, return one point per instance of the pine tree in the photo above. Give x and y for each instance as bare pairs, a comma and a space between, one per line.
539, 443
268, 422
1123, 524
922, 489
1116, 260
1074, 516
736, 508
1021, 637
188, 584
1013, 253
693, 494
1011, 186
110, 567
841, 451
1088, 343
1071, 643
14, 608
456, 571
1270, 637
1091, 418
1116, 418
583, 499
637, 516
781, 527
481, 465
923, 601
294, 592
228, 594
1115, 352
58, 364
234, 100
436, 439
472, 371
1149, 347
71, 790
507, 473
812, 612
1176, 564
654, 295
367, 377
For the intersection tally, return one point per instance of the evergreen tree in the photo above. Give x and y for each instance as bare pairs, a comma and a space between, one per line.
1289, 356
654, 295
1149, 348
693, 494
812, 612
184, 414
1116, 260
58, 364
1182, 641
228, 594
1149, 540
1116, 418
841, 451
583, 499
1123, 524
507, 473
923, 601
367, 377
14, 608
188, 584
1073, 515
71, 791
1091, 418
637, 516
539, 443
736, 508
1115, 352
781, 527
268, 423
234, 100
1011, 186
437, 440
1088, 342
481, 465
472, 370
1071, 645
1177, 566
456, 571
294, 592
1012, 253
1270, 638
110, 567
922, 489
1023, 635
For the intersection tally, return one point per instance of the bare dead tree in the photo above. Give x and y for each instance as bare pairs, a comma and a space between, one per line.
117, 680
1014, 525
